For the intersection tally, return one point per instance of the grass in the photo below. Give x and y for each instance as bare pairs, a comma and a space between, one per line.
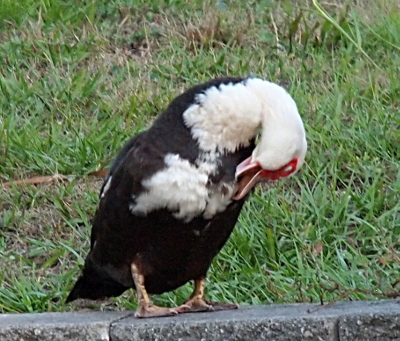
77, 79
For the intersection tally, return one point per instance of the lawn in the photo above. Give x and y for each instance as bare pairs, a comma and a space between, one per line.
78, 78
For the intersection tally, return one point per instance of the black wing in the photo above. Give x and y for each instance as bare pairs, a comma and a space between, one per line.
120, 158
115, 236
133, 149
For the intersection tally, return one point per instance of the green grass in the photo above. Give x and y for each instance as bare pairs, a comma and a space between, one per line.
79, 78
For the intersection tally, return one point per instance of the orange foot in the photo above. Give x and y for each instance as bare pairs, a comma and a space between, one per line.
151, 310
197, 303
223, 306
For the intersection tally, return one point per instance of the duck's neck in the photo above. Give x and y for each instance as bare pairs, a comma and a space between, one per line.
225, 118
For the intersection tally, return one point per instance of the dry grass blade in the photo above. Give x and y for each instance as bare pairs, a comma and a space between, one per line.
45, 179
36, 180
102, 173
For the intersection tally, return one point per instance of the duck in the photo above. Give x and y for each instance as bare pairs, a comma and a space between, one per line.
174, 193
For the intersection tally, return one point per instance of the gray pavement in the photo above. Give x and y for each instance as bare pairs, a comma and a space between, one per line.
342, 321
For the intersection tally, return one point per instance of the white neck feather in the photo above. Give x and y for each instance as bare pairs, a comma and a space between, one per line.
230, 116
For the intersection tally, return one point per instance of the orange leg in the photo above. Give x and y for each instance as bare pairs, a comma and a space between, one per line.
145, 307
198, 303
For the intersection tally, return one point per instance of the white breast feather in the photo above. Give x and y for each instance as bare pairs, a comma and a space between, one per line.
181, 187
217, 201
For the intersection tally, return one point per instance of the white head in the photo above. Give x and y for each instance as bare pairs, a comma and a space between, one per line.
282, 147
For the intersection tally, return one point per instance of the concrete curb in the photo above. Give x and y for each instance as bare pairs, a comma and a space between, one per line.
343, 321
